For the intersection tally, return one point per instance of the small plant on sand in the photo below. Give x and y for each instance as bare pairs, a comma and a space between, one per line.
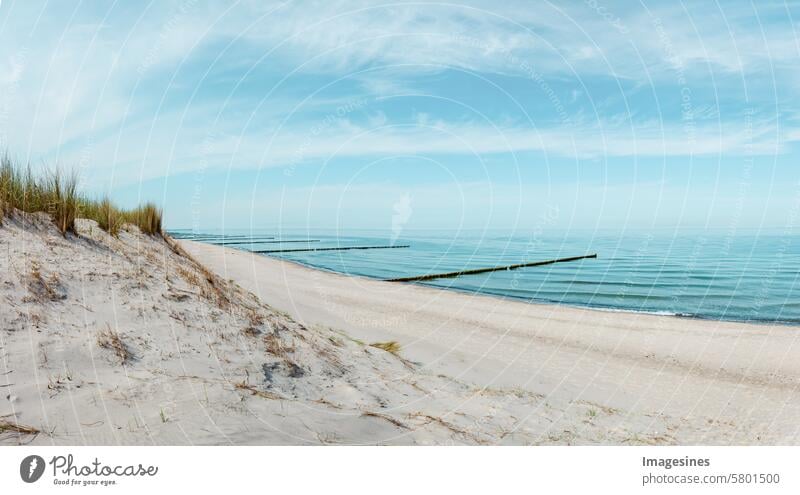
109, 339
42, 289
386, 417
189, 275
243, 385
390, 346
6, 425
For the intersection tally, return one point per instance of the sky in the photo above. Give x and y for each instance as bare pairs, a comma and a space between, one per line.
464, 115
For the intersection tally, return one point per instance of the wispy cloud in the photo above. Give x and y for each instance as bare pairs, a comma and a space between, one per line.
607, 37
166, 151
132, 90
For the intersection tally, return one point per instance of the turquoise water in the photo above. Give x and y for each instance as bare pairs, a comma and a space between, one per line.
743, 277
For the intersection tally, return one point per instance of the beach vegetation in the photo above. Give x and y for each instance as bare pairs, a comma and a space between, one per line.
243, 385
111, 340
44, 289
7, 425
211, 286
391, 346
55, 192
107, 216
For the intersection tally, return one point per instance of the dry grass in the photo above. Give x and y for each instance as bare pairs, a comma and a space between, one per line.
255, 391
210, 287
111, 219
109, 339
251, 331
188, 275
214, 288
41, 289
386, 417
56, 193
63, 199
391, 346
428, 419
275, 346
13, 427
147, 217
107, 216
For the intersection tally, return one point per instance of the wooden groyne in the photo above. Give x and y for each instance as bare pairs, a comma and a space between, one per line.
487, 270
220, 239
225, 243
328, 249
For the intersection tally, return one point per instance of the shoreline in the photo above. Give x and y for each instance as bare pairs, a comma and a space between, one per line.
541, 302
179, 342
691, 372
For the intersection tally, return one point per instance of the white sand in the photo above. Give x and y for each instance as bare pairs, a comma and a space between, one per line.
614, 377
208, 362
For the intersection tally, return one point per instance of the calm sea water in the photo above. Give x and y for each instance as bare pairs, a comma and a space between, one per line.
744, 277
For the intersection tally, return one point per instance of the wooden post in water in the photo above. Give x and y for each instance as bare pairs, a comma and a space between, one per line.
220, 239
328, 249
261, 242
487, 270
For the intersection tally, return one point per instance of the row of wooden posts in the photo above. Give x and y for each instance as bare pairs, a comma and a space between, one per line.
417, 278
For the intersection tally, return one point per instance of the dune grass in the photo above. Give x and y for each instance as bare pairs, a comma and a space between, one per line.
107, 216
56, 193
390, 346
147, 217
7, 425
111, 340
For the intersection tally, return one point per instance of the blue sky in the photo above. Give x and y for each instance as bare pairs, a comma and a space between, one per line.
469, 115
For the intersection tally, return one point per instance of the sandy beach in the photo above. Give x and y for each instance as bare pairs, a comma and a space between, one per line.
138, 339
662, 379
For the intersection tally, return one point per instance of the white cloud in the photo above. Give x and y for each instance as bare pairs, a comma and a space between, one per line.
77, 92
175, 144
632, 42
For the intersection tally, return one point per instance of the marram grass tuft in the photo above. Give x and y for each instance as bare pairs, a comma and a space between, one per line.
56, 193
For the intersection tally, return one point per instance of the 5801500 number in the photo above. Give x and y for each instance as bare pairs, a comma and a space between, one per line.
754, 478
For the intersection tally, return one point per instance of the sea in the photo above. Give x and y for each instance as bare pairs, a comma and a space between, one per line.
748, 276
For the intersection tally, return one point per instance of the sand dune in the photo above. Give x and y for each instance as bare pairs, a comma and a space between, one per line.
129, 340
